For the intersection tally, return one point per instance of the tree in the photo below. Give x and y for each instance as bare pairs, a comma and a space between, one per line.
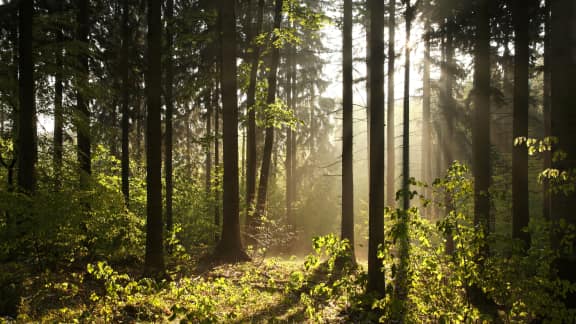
154, 224
27, 136
520, 213
229, 248
251, 152
426, 104
82, 107
270, 100
125, 103
563, 119
58, 105
376, 146
481, 123
390, 125
169, 101
347, 130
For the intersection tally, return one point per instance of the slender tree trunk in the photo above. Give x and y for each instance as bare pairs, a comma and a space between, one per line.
58, 108
125, 159
230, 246
563, 119
347, 130
251, 152
169, 102
269, 134
546, 206
82, 105
406, 116
208, 162
481, 124
401, 291
520, 213
154, 223
217, 192
289, 138
426, 106
376, 146
27, 134
390, 124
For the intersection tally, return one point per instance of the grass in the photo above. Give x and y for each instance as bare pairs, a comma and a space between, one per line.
272, 290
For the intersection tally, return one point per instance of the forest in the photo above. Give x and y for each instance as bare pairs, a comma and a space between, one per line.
288, 161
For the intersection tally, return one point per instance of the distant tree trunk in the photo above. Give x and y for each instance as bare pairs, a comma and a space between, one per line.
406, 117
58, 107
376, 146
446, 138
82, 106
229, 248
269, 134
251, 152
154, 223
208, 136
347, 130
169, 102
289, 138
217, 192
390, 124
563, 118
446, 96
125, 159
401, 291
426, 106
546, 205
481, 124
27, 134
520, 213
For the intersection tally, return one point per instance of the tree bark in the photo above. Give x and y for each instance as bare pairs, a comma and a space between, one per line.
154, 223
481, 124
229, 248
27, 133
84, 154
251, 152
376, 146
125, 159
58, 107
169, 102
520, 213
347, 228
390, 124
426, 106
269, 133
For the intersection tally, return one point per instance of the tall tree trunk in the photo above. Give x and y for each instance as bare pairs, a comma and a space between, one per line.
401, 291
426, 106
269, 134
82, 105
347, 130
58, 107
208, 136
390, 124
376, 146
563, 118
169, 102
520, 213
481, 124
27, 134
251, 152
217, 192
230, 246
290, 138
546, 205
154, 223
125, 159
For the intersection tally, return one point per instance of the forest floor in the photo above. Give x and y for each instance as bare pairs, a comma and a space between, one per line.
262, 291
